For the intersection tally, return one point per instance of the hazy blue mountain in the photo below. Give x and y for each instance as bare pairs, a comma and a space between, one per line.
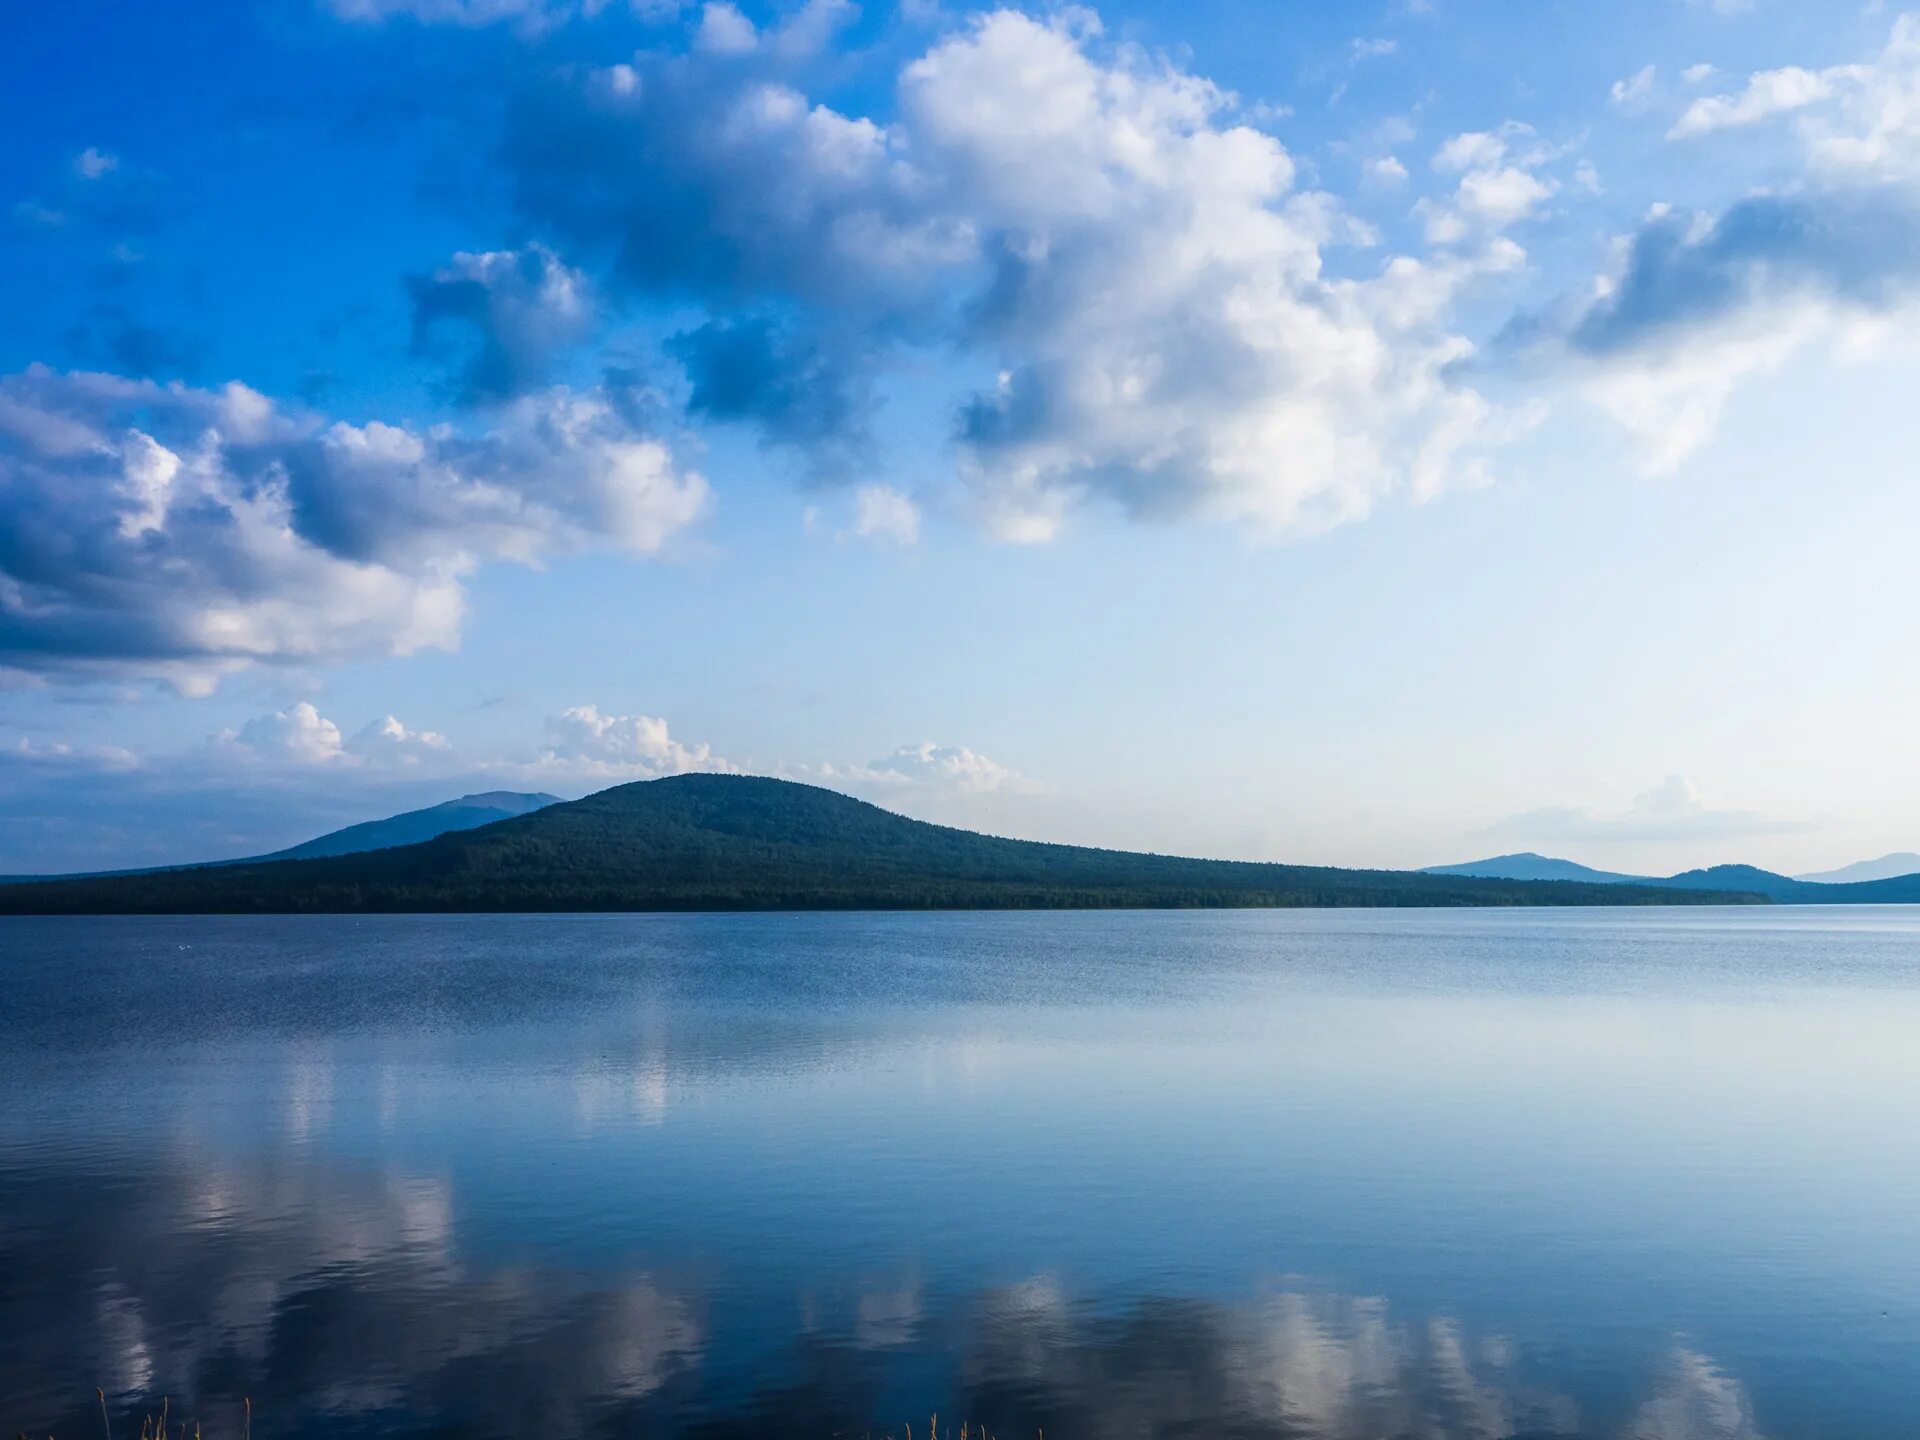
730, 842
1898, 888
1528, 866
469, 812
1887, 867
1746, 879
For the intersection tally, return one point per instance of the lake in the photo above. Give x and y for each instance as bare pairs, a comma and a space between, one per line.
1620, 1173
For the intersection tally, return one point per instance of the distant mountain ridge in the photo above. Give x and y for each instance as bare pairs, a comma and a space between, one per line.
468, 812
1899, 888
1528, 866
1887, 867
731, 842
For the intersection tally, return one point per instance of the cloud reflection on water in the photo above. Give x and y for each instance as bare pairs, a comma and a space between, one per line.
343, 1297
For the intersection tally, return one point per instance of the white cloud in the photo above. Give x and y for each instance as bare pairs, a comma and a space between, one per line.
1699, 304
1633, 92
59, 755
1857, 121
1086, 222
1497, 186
1370, 49
883, 513
1699, 74
725, 31
180, 533
1670, 396
521, 307
1167, 335
940, 771
301, 736
951, 766
1873, 132
810, 28
1500, 197
91, 164
386, 742
584, 745
1385, 171
1769, 93
1474, 150
1671, 810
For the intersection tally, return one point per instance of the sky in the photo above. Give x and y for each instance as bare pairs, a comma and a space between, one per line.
1360, 434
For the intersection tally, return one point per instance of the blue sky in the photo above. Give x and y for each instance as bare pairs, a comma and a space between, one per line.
1372, 434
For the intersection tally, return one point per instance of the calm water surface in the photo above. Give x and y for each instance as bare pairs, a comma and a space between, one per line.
1337, 1174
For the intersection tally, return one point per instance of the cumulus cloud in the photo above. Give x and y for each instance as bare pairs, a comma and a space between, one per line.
724, 30
516, 309
587, 745
1770, 93
1857, 121
300, 735
806, 391
922, 777
1698, 304
1671, 810
59, 755
883, 513
1142, 276
1385, 171
1854, 249
185, 533
1633, 92
952, 767
1498, 185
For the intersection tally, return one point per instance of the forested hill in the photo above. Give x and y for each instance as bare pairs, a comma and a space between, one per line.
725, 842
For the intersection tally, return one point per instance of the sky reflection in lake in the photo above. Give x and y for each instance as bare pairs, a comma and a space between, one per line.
1337, 1175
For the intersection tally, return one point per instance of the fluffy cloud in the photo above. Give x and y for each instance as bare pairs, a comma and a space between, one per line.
1498, 186
724, 30
950, 766
1633, 92
1671, 810
584, 744
1853, 249
924, 771
185, 533
806, 391
58, 755
883, 513
1770, 93
518, 308
1699, 304
1857, 121
1141, 275
300, 735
